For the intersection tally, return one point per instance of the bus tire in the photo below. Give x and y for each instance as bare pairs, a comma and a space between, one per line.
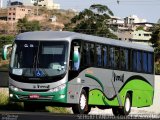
87, 110
116, 111
126, 109
82, 107
127, 105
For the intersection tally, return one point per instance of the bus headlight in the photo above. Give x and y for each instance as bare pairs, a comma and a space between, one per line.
61, 87
14, 88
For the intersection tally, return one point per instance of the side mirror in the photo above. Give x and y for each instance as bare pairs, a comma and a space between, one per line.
5, 51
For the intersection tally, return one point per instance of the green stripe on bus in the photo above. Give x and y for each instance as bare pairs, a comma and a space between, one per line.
142, 95
96, 79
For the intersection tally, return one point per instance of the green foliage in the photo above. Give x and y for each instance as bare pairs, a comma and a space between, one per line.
155, 40
5, 39
24, 25
57, 109
140, 28
92, 21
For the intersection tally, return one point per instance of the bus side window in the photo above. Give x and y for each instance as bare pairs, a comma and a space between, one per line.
99, 55
130, 59
134, 61
139, 61
86, 54
124, 59
145, 62
111, 57
92, 54
150, 63
117, 58
105, 56
122, 52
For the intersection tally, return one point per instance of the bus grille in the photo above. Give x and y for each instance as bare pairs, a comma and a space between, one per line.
32, 90
25, 97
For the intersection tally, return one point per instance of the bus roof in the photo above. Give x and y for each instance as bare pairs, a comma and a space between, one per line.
65, 35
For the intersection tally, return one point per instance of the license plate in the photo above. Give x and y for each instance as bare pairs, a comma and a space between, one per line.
34, 96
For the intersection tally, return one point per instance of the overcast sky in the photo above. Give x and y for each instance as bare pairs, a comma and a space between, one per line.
147, 9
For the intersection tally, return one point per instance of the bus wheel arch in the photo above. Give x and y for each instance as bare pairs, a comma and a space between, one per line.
126, 108
82, 106
131, 96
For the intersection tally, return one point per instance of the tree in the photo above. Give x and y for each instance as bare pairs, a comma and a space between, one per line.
92, 21
5, 39
24, 25
155, 40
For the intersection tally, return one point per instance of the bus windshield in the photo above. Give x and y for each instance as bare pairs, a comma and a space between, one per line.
39, 58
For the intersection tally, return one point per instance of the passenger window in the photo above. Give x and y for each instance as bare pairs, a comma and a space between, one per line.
105, 56
92, 54
124, 59
86, 53
134, 58
150, 63
117, 58
139, 61
145, 61
111, 57
99, 55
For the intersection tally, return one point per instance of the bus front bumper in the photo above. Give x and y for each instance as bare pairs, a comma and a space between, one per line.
22, 96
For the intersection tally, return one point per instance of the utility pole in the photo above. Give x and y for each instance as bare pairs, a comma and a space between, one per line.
118, 1
37, 7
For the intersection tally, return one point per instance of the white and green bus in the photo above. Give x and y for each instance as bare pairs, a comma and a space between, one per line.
80, 71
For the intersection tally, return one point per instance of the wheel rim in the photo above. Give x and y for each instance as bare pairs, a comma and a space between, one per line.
82, 102
127, 105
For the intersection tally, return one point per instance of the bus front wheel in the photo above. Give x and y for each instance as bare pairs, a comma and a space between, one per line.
125, 110
82, 107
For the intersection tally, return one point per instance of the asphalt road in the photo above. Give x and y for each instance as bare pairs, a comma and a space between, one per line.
3, 78
21, 115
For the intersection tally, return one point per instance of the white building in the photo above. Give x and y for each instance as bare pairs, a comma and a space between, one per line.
49, 4
141, 37
134, 19
127, 29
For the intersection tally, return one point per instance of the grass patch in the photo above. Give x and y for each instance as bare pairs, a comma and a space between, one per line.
57, 110
6, 105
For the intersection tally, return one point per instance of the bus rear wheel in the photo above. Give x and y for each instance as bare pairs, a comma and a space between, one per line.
82, 107
125, 110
